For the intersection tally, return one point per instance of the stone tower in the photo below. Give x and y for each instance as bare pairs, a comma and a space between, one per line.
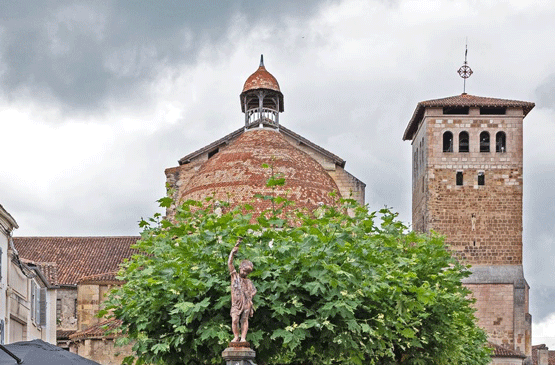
467, 185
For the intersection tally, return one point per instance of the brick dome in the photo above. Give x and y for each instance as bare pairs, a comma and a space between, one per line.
261, 79
235, 174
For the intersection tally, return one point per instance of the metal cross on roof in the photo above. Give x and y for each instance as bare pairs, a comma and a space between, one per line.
465, 71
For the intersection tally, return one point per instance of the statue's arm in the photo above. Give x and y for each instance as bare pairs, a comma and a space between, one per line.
232, 255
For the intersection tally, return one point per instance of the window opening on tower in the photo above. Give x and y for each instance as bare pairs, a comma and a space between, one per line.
481, 178
456, 110
459, 178
464, 145
447, 142
500, 142
484, 142
493, 110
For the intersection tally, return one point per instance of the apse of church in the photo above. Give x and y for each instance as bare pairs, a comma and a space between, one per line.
231, 168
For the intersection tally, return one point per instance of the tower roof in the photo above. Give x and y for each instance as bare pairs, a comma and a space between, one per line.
236, 174
463, 100
261, 79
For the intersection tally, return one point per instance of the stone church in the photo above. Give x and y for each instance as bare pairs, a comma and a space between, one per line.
467, 185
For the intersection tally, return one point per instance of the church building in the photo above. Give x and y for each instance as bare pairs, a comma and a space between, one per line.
231, 168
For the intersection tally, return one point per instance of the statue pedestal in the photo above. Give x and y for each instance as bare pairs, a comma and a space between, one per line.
239, 353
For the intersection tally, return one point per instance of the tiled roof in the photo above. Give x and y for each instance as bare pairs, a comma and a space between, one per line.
108, 278
500, 351
48, 269
236, 173
106, 329
77, 257
64, 334
286, 131
462, 100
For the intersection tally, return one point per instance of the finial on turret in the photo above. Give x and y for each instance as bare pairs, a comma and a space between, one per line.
261, 60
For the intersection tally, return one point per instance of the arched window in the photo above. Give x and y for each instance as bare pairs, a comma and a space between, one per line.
447, 142
500, 142
463, 142
484, 142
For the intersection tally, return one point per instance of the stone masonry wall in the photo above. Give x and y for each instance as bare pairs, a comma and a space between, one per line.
66, 312
494, 234
497, 316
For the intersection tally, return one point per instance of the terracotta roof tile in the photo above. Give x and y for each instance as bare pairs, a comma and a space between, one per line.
106, 329
462, 100
77, 257
48, 269
64, 334
500, 351
108, 278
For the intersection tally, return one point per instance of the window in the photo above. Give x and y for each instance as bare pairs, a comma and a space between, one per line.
213, 152
481, 178
463, 142
484, 142
447, 142
459, 178
500, 142
493, 110
456, 110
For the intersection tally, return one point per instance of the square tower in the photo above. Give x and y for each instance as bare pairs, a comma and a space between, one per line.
467, 186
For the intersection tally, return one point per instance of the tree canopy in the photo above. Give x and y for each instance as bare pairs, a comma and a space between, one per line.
333, 288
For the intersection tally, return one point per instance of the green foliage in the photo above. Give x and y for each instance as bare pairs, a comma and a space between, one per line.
333, 288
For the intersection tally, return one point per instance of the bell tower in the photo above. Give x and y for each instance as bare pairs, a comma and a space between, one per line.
467, 185
261, 99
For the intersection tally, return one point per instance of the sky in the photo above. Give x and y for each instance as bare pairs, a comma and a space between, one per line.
98, 98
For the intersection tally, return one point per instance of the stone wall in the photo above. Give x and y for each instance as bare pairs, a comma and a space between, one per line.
102, 351
483, 223
66, 310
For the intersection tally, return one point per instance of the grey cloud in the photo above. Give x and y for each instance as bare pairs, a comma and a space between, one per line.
78, 54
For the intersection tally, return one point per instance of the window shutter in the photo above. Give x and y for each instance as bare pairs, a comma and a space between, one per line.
1, 331
1, 265
42, 321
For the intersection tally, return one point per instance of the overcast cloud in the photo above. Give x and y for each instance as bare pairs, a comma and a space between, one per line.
98, 98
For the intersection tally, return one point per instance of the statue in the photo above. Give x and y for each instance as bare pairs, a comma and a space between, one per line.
242, 292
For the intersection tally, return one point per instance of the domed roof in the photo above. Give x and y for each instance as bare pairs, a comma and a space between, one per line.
235, 174
261, 79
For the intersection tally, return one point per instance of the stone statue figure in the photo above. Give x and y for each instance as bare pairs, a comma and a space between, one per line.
242, 292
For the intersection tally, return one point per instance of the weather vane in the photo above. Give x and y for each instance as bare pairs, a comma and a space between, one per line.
465, 71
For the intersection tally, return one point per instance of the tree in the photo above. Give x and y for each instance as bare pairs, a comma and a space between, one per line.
333, 288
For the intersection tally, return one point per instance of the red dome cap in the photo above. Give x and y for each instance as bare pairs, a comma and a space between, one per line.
261, 79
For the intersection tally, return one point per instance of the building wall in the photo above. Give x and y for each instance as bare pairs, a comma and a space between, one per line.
66, 311
494, 235
102, 351
89, 300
